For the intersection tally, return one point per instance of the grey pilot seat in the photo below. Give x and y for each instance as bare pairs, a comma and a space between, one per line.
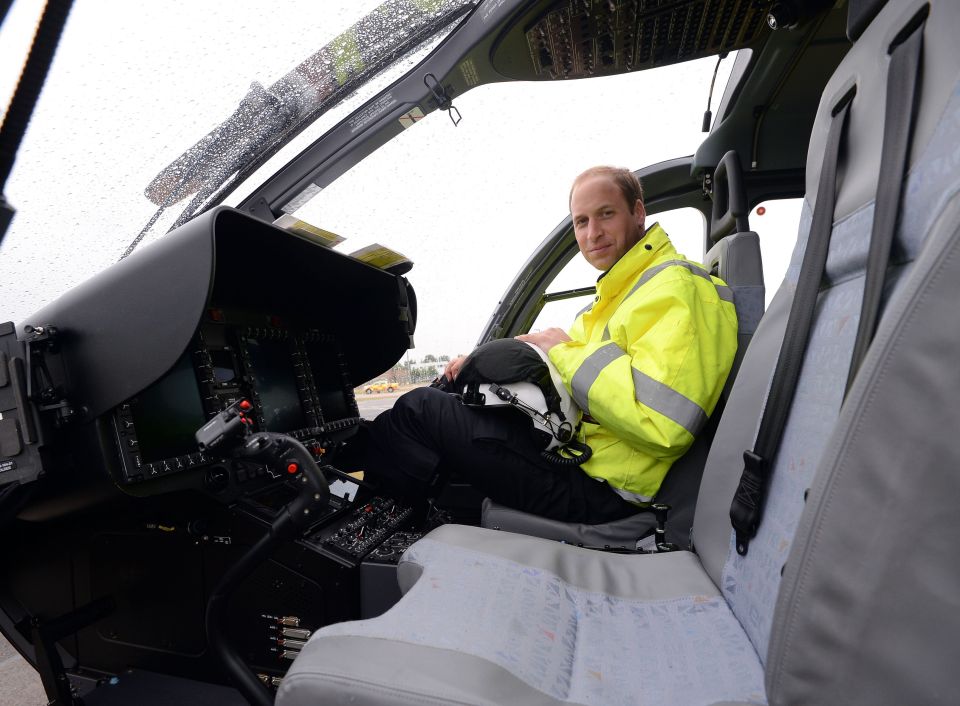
848, 591
735, 258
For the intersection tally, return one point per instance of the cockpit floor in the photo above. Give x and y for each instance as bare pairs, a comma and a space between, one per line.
151, 689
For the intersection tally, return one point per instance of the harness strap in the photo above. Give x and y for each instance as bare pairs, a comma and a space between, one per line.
746, 509
902, 80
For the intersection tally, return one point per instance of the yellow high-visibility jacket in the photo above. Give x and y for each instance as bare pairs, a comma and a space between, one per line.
647, 363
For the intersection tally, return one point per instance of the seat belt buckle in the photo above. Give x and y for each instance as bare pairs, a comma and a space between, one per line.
748, 500
661, 511
753, 462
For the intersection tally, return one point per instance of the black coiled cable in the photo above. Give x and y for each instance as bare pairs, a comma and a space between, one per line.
582, 454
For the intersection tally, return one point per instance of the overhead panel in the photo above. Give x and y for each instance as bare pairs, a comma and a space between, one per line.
581, 38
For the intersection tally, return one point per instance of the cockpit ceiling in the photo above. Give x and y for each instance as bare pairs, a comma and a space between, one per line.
581, 38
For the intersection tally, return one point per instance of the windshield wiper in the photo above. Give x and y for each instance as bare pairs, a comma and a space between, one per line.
268, 118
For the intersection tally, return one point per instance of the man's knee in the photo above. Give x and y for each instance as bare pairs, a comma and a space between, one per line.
422, 403
419, 397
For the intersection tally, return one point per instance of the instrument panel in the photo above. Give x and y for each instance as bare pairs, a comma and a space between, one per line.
294, 376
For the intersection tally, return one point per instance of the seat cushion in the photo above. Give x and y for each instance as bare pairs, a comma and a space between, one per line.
621, 534
492, 617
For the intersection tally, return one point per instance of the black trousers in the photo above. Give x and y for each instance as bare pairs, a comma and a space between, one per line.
412, 449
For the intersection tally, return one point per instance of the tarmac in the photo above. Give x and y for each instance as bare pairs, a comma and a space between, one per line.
19, 683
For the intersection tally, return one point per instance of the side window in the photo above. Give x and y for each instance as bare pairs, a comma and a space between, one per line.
776, 222
573, 287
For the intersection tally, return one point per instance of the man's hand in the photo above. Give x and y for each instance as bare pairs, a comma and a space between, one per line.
453, 368
546, 339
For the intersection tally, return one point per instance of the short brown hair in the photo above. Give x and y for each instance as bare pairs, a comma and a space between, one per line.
625, 180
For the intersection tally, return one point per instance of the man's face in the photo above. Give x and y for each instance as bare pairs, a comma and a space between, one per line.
603, 222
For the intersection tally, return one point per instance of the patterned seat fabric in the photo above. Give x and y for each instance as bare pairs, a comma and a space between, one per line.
564, 625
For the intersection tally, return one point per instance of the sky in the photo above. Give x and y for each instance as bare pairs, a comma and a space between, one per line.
134, 85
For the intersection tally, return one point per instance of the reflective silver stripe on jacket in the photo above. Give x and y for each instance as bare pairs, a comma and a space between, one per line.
631, 497
584, 310
668, 402
647, 391
590, 370
723, 291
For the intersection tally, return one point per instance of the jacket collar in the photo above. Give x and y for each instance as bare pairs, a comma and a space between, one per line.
653, 246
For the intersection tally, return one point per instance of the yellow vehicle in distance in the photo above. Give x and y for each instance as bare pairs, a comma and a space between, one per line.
380, 386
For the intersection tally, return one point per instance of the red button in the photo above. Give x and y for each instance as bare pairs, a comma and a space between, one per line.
245, 405
293, 468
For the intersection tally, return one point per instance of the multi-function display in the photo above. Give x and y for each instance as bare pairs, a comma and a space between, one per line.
295, 379
334, 395
168, 413
275, 382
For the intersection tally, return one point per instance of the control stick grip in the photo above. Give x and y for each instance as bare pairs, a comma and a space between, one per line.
286, 455
226, 429
230, 433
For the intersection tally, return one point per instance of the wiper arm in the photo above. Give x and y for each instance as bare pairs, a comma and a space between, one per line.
261, 117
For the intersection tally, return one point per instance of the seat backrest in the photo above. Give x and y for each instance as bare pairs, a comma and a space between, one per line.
751, 583
735, 256
737, 261
867, 612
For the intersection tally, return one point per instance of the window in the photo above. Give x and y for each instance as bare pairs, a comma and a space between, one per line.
776, 222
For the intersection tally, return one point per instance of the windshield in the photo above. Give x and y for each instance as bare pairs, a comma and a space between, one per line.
467, 204
148, 110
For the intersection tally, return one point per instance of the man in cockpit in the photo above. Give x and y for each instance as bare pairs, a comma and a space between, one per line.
646, 362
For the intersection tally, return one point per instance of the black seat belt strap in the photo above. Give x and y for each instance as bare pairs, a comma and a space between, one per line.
747, 507
902, 91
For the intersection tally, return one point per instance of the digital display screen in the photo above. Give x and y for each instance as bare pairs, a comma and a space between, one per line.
168, 413
334, 400
275, 381
224, 365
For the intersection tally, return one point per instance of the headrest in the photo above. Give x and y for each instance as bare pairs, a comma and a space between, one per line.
729, 199
860, 14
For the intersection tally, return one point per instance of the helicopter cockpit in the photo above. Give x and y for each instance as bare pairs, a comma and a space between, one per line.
176, 522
